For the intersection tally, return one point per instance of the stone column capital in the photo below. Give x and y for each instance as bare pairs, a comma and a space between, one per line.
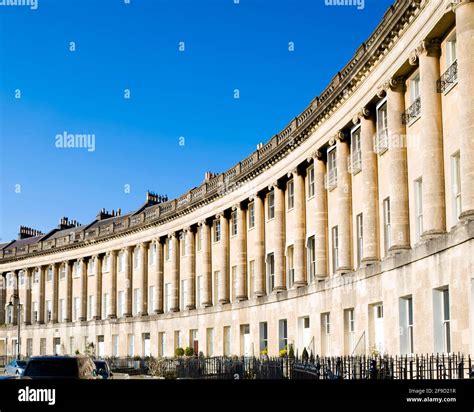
396, 84
363, 113
202, 223
426, 47
274, 185
187, 229
456, 4
253, 196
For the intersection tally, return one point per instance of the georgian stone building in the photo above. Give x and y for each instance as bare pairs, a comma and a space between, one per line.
350, 231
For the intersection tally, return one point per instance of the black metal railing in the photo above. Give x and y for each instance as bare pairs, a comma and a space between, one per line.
413, 112
448, 79
453, 366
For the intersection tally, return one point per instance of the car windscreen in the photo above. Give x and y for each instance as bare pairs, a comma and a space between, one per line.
52, 367
99, 364
21, 363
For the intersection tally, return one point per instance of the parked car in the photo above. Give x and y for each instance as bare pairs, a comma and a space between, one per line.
103, 369
60, 367
15, 367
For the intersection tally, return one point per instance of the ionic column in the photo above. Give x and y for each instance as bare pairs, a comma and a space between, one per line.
54, 315
174, 305
69, 268
3, 299
159, 277
370, 248
27, 303
431, 140
128, 281
41, 303
83, 263
279, 237
144, 278
465, 45
344, 209
259, 280
299, 228
112, 309
98, 287
397, 161
190, 269
321, 224
206, 264
241, 253
223, 281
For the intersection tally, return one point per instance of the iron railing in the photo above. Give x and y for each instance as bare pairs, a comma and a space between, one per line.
412, 113
448, 79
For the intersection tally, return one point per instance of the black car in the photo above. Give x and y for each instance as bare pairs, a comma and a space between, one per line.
60, 367
103, 369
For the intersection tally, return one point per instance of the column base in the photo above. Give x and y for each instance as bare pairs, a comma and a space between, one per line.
142, 313
224, 301
158, 311
398, 249
81, 319
258, 294
431, 234
96, 318
467, 215
67, 320
368, 261
112, 317
300, 284
207, 304
343, 270
241, 298
174, 310
127, 315
190, 307
279, 289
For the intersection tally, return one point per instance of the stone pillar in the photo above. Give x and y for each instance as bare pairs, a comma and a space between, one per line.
397, 160
279, 237
159, 277
27, 304
112, 311
370, 196
98, 286
321, 229
15, 296
128, 281
299, 228
431, 140
223, 281
206, 264
259, 280
344, 209
83, 315
465, 56
69, 265
54, 314
174, 255
41, 303
190, 268
143, 310
3, 299
241, 252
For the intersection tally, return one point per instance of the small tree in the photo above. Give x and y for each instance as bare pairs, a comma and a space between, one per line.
189, 351
179, 352
291, 352
305, 356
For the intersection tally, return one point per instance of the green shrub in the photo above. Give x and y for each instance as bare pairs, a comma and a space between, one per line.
291, 352
179, 352
189, 351
283, 353
264, 352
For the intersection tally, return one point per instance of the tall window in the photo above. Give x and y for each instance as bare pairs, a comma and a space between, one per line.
50, 274
251, 215
136, 257
414, 88
290, 188
183, 244
456, 185
168, 248
151, 299
198, 291
90, 307
184, 293
106, 263
199, 238
36, 276
271, 205
263, 336
409, 314
215, 288
77, 308
49, 310
233, 283
271, 272
387, 232
418, 207
226, 340
217, 230
331, 178
282, 334
161, 344
310, 174
136, 301
105, 306
251, 277
234, 223
381, 143
153, 254
62, 272
326, 333
121, 304
446, 320
62, 309
360, 238
451, 51
311, 258
121, 262
210, 341
291, 266
335, 249
356, 153
115, 345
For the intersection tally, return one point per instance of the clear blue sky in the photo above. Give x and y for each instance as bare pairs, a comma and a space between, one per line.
118, 46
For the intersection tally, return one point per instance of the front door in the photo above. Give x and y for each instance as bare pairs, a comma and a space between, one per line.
379, 331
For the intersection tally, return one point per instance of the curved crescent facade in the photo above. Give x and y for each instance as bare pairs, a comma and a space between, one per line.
349, 232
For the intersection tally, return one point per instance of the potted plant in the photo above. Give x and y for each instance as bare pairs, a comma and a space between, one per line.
188, 351
178, 352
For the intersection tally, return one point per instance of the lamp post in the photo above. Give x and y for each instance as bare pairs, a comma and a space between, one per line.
11, 305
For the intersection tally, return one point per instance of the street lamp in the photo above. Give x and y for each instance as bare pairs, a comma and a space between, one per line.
11, 305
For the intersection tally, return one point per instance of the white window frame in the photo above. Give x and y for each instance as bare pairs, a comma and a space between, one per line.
290, 189
418, 191
387, 225
311, 182
251, 215
456, 186
360, 238
271, 205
